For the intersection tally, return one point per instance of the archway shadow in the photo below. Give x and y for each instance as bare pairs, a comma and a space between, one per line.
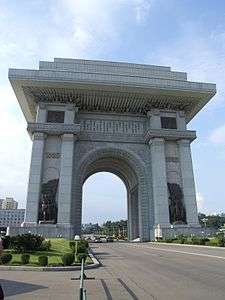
11, 287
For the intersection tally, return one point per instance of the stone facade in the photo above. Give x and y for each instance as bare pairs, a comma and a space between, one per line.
122, 118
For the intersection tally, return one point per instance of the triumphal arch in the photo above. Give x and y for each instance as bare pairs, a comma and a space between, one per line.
129, 119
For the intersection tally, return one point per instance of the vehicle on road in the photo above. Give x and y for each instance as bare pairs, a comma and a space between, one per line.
109, 239
97, 240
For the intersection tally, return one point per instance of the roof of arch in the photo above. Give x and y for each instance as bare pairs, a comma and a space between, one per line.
108, 86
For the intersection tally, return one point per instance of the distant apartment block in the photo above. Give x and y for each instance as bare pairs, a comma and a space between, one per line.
8, 203
11, 217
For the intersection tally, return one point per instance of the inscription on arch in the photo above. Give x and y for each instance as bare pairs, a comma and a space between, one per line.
112, 126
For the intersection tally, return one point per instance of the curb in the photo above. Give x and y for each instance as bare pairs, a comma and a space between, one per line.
188, 245
95, 264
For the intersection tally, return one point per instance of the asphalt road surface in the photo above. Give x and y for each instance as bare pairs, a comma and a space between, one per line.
131, 271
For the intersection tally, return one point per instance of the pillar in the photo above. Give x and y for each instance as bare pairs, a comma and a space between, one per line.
159, 182
65, 180
66, 172
133, 214
188, 183
35, 178
41, 113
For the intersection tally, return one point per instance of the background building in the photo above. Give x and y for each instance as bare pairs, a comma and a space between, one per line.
11, 217
8, 203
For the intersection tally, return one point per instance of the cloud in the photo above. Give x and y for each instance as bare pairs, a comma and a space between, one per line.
142, 9
15, 147
90, 26
198, 52
217, 136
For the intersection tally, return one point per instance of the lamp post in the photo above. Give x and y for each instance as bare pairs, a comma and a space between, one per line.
76, 239
204, 220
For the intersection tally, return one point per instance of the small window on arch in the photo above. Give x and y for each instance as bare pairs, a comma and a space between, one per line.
55, 116
168, 122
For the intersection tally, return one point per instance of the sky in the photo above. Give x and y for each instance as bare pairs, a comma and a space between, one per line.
186, 35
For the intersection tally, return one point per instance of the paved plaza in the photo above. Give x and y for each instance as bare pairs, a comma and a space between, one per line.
131, 271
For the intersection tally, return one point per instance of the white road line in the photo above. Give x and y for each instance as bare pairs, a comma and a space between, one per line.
183, 252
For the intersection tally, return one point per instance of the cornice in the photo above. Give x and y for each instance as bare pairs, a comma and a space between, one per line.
53, 128
169, 134
108, 87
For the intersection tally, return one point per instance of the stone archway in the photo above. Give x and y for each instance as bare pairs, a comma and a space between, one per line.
130, 170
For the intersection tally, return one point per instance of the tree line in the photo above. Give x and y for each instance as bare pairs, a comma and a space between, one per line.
112, 228
119, 228
212, 221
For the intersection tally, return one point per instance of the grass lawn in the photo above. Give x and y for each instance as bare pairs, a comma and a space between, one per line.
58, 249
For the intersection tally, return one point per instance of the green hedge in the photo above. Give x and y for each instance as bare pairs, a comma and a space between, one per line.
25, 258
82, 246
218, 240
68, 259
6, 258
81, 256
43, 260
26, 242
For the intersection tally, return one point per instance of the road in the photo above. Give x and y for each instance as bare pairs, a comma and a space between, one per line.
131, 271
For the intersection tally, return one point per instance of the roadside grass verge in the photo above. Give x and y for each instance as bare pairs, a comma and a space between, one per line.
58, 248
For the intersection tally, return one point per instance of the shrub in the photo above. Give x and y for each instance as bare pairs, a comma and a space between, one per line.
82, 246
68, 259
85, 243
199, 240
72, 245
169, 240
212, 242
26, 242
220, 241
43, 260
46, 245
81, 256
181, 239
6, 258
25, 258
6, 241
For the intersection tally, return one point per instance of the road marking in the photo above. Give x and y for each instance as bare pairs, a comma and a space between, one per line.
183, 252
132, 294
106, 289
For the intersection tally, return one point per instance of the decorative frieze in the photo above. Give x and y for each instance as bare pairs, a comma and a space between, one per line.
172, 159
113, 126
52, 155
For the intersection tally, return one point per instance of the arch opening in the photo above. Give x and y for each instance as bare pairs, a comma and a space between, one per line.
121, 168
104, 199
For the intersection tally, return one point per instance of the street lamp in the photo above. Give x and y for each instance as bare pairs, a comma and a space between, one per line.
204, 220
76, 239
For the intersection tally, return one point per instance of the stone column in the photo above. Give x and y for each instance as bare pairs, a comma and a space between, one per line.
41, 113
188, 183
66, 172
154, 121
134, 214
65, 180
35, 178
129, 216
159, 182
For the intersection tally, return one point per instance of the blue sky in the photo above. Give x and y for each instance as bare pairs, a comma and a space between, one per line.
187, 35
